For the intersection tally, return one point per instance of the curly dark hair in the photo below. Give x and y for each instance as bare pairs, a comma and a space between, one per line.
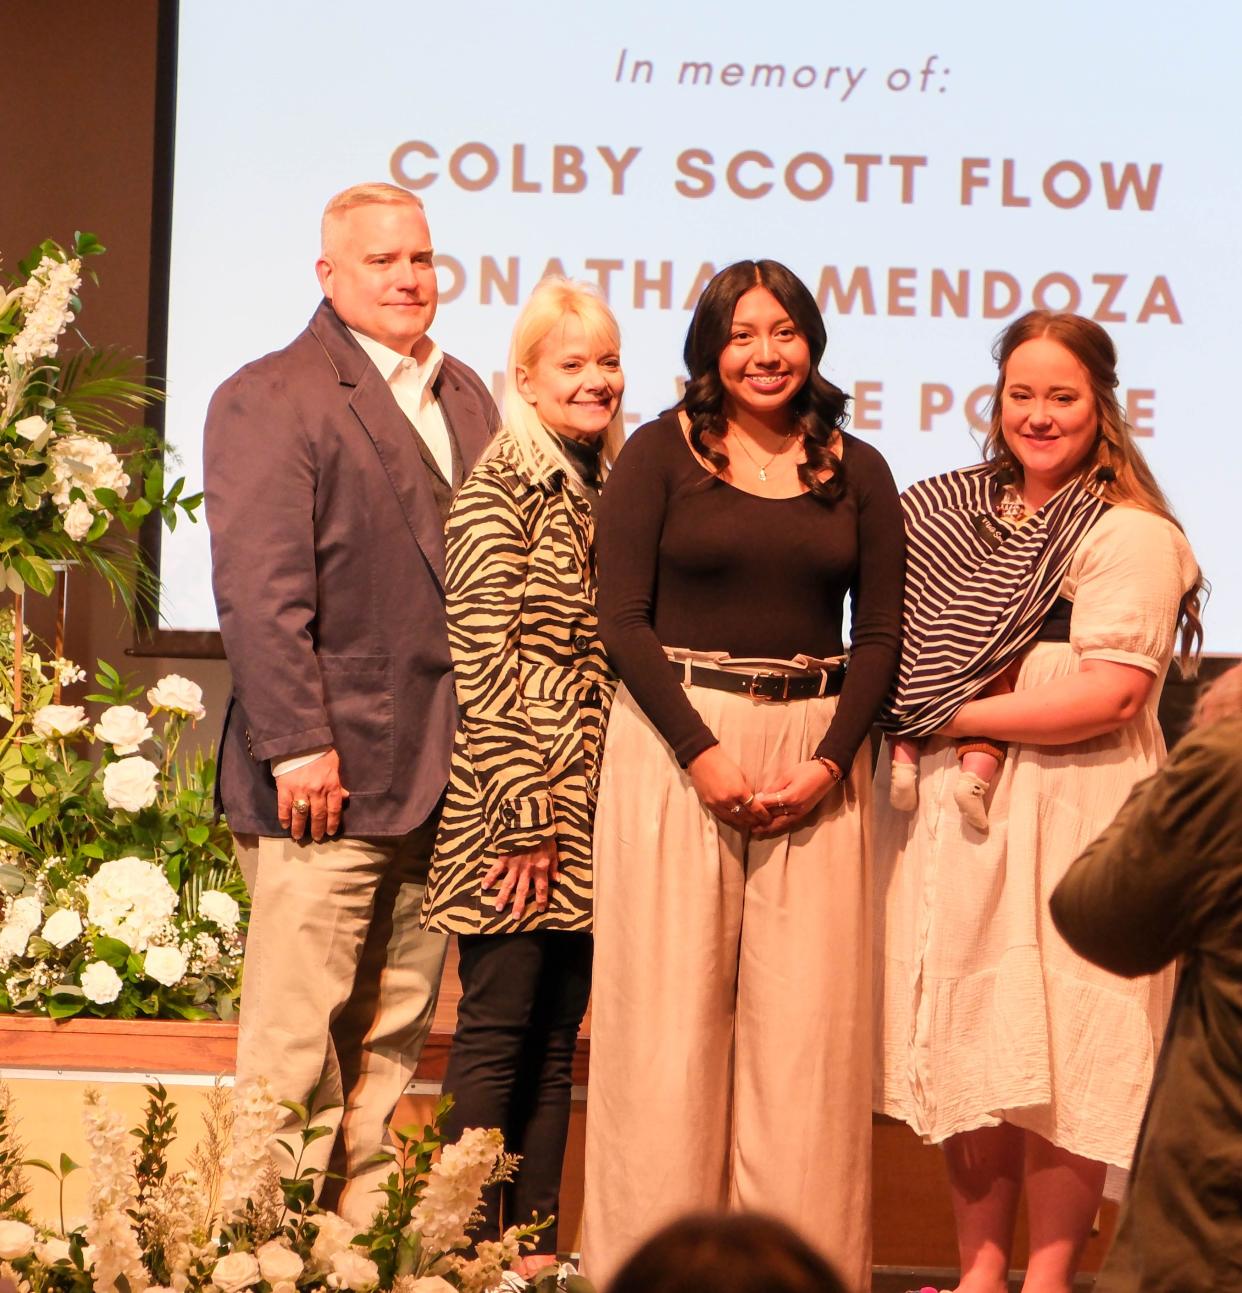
819, 407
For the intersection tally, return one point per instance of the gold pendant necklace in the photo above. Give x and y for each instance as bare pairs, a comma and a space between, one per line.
763, 466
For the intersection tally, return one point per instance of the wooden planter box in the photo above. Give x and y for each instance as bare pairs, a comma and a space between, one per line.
208, 1048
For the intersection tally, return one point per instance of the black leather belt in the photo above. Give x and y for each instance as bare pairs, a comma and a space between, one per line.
764, 685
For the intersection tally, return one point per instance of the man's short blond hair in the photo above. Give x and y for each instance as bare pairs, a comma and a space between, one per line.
377, 193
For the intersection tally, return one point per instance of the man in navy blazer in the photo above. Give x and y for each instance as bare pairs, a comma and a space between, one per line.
329, 468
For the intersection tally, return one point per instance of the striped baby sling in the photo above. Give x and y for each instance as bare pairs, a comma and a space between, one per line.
977, 588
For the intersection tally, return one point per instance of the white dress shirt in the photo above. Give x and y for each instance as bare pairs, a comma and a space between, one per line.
410, 381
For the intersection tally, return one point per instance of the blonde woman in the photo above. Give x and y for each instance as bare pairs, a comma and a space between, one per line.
511, 875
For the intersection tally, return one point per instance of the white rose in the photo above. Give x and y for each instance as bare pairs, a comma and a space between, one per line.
16, 1240
100, 983
177, 695
430, 1284
130, 783
283, 1286
354, 1270
62, 927
335, 1233
124, 728
234, 1272
54, 722
165, 965
51, 1251
219, 908
78, 520
278, 1263
26, 914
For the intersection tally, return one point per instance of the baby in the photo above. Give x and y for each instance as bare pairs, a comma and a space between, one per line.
979, 756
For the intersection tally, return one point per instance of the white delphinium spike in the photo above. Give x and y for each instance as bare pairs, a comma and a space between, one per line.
453, 1187
257, 1117
45, 303
113, 1194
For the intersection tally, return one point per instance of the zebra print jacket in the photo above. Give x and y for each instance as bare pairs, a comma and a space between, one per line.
534, 689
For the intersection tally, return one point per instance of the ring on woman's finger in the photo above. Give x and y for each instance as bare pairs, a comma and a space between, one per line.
736, 809
748, 800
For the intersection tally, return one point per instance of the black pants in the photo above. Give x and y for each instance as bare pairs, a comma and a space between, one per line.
511, 1066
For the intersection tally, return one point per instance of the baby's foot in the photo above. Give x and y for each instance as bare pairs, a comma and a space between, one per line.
968, 794
903, 789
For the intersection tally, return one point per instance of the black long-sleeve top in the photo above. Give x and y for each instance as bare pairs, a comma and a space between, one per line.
686, 560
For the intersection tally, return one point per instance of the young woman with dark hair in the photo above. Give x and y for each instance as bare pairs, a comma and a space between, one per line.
730, 1031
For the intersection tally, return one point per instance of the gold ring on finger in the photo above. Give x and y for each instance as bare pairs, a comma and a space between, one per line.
301, 805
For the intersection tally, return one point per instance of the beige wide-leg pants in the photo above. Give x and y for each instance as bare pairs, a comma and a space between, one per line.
731, 1017
339, 988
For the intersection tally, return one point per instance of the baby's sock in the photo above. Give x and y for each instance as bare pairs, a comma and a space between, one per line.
968, 792
903, 790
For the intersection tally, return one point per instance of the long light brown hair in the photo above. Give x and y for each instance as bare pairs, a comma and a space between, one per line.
1115, 466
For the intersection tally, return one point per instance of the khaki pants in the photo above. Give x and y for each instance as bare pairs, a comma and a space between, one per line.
339, 988
731, 1016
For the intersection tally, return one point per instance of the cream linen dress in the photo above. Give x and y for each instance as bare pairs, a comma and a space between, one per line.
987, 1016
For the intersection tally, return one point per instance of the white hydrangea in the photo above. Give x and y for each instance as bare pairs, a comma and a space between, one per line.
177, 695
219, 908
165, 965
130, 899
100, 983
87, 463
62, 927
26, 914
45, 303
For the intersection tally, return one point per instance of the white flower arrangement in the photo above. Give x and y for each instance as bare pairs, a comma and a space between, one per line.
231, 1221
119, 892
68, 454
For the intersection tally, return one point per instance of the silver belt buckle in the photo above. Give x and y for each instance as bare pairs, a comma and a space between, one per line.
758, 679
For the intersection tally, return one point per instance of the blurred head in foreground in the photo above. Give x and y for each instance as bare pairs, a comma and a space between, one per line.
726, 1253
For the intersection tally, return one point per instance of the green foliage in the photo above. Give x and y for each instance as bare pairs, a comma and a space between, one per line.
59, 829
74, 454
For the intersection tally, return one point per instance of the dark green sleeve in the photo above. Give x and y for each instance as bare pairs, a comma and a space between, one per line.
1143, 893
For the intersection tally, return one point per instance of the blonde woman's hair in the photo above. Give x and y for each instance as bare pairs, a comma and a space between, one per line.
1116, 467
553, 301
362, 195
